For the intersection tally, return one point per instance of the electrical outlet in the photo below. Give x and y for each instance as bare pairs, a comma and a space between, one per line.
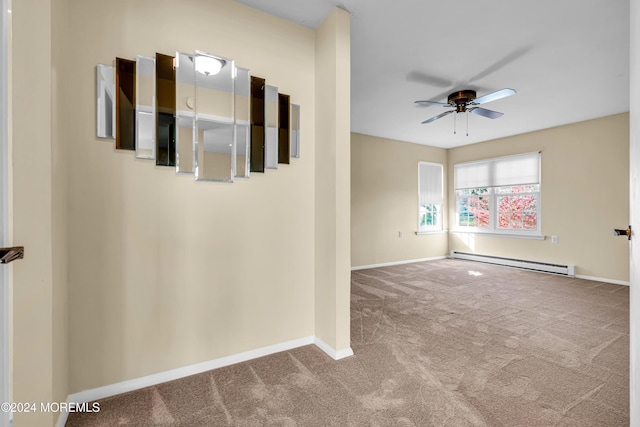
400, 234
554, 240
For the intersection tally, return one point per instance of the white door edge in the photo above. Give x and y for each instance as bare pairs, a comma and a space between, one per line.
5, 381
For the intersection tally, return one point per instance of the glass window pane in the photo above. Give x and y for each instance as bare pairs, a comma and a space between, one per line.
484, 203
516, 220
530, 220
503, 219
529, 202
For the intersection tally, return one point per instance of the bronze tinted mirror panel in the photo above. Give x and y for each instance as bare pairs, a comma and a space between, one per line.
165, 110
106, 102
185, 111
283, 136
125, 104
257, 124
271, 129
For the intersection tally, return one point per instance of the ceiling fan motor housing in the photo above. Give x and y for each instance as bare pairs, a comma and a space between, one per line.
460, 99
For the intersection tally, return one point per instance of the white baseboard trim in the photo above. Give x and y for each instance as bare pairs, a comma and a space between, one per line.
601, 279
185, 371
387, 264
332, 352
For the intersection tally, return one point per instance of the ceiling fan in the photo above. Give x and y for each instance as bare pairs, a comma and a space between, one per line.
465, 101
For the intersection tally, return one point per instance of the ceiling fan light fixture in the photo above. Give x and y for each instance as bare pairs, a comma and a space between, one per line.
465, 101
209, 65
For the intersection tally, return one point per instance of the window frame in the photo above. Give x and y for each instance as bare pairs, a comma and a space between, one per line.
524, 231
438, 216
438, 226
493, 223
493, 193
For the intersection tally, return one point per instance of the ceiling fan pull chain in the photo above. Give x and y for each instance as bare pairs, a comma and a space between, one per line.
454, 122
466, 113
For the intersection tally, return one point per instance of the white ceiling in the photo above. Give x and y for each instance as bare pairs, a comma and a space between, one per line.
567, 59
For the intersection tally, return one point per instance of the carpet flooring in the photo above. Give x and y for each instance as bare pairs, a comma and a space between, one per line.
440, 343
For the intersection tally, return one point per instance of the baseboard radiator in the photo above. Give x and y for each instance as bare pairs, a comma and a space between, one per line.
566, 270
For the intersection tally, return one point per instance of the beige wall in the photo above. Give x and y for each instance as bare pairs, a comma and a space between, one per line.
384, 201
585, 191
164, 271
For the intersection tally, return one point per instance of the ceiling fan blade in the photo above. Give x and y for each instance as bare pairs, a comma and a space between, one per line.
442, 104
499, 94
437, 117
490, 114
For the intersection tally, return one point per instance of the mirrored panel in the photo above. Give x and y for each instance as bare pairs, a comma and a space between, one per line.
242, 105
185, 111
283, 128
145, 107
271, 131
215, 126
257, 124
105, 109
165, 110
125, 104
295, 131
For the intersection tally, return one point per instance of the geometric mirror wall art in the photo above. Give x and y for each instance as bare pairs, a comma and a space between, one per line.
196, 112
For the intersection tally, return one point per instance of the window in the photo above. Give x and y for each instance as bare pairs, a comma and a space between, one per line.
499, 195
429, 197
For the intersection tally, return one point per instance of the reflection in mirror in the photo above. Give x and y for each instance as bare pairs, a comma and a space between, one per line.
165, 110
185, 115
295, 131
145, 108
242, 100
125, 104
106, 118
283, 129
271, 132
215, 129
257, 124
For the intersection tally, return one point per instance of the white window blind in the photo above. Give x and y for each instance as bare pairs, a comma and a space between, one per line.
520, 169
430, 183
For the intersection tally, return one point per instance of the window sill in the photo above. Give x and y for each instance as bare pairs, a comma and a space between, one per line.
419, 233
507, 235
